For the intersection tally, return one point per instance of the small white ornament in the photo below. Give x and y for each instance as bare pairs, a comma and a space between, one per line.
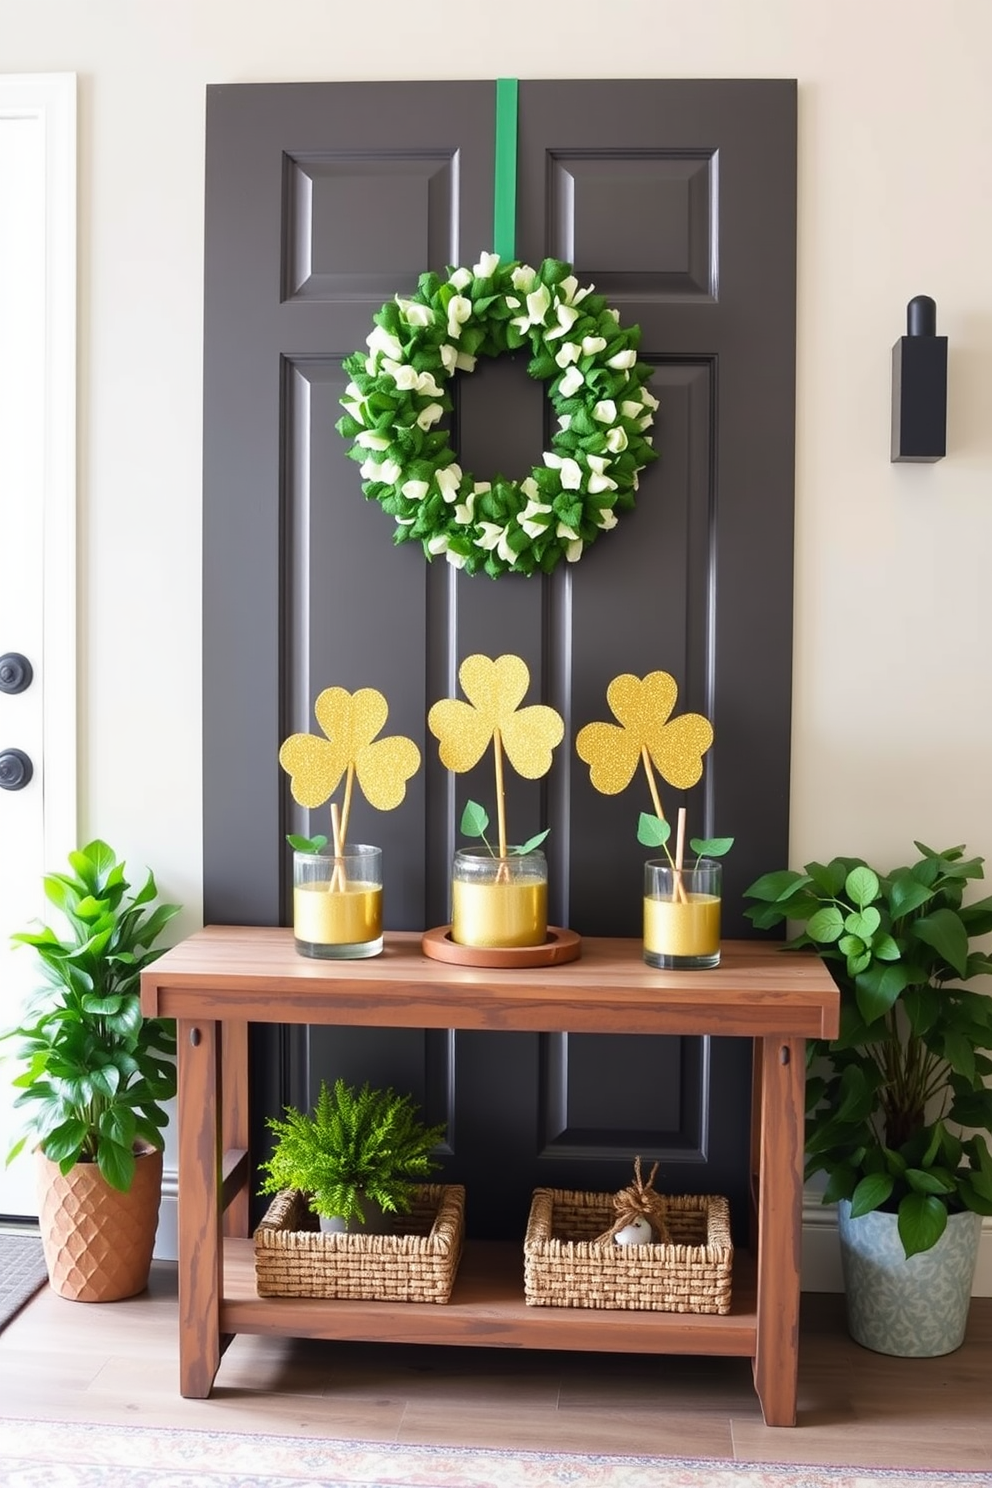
638, 1232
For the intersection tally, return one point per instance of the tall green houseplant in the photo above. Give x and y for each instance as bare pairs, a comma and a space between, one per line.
97, 1069
897, 1105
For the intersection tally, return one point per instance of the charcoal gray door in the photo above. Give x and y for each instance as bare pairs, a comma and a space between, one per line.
677, 199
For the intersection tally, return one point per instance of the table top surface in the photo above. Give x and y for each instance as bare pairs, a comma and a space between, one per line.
254, 973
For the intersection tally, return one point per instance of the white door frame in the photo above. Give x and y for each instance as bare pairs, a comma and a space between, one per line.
38, 115
49, 99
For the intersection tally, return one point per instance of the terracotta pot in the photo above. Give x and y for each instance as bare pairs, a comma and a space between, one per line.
97, 1241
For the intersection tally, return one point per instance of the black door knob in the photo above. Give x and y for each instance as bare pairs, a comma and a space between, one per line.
15, 672
15, 769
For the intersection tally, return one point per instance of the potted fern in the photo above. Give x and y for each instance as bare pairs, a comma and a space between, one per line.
95, 1075
357, 1158
898, 1108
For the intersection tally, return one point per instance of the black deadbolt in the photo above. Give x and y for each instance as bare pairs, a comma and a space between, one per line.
15, 672
15, 769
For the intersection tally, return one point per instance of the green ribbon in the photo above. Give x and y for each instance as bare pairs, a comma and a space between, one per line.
505, 193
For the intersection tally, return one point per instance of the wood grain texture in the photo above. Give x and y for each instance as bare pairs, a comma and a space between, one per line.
200, 1256
783, 1083
255, 974
561, 945
234, 1121
222, 978
487, 1308
67, 1362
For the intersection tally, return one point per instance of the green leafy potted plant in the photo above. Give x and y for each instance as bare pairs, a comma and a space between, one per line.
897, 1105
96, 1074
359, 1155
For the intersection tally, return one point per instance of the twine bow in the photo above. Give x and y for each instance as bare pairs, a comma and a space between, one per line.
638, 1201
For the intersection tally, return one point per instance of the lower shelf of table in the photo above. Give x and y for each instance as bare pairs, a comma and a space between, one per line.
487, 1310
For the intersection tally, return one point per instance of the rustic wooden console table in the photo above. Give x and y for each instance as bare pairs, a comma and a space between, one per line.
224, 977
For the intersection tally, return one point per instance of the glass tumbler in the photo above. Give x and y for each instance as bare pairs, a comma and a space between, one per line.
499, 902
682, 915
337, 903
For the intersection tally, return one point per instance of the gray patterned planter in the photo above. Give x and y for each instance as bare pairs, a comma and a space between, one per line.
916, 1308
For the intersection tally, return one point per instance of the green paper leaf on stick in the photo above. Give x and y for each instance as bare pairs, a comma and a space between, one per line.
652, 831
711, 847
475, 820
306, 844
532, 842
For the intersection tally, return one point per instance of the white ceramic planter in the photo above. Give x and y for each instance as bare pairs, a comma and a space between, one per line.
915, 1308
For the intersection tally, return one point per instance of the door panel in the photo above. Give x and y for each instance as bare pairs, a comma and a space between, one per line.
677, 199
37, 523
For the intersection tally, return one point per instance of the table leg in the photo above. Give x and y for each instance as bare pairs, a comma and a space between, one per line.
200, 1252
234, 1121
754, 1168
776, 1362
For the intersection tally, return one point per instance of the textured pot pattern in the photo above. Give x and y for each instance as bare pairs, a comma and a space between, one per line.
915, 1308
97, 1241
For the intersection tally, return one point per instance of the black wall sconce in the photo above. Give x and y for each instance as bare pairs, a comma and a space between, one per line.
919, 386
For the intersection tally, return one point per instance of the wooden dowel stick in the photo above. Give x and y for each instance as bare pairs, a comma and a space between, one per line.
678, 889
500, 794
346, 809
652, 784
680, 839
337, 877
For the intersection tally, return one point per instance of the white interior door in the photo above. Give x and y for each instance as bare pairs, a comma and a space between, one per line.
37, 535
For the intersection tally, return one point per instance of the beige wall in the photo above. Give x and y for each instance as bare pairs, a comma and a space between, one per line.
893, 710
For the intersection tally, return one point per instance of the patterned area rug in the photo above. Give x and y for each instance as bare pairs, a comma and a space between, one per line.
40, 1454
22, 1271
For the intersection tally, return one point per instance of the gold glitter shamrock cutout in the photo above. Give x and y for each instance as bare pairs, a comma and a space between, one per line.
495, 690
646, 733
350, 722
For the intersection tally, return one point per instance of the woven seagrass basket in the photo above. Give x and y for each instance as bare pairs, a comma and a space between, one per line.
415, 1263
564, 1268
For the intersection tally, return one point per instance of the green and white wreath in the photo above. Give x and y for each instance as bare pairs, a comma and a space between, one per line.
398, 393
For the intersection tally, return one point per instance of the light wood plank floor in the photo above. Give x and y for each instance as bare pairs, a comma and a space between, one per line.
117, 1363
